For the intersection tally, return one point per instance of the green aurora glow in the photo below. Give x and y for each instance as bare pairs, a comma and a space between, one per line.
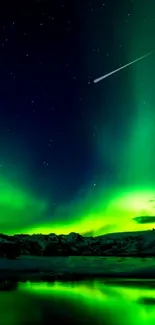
102, 210
106, 303
22, 212
126, 301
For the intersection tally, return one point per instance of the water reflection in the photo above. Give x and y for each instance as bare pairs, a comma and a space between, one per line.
86, 302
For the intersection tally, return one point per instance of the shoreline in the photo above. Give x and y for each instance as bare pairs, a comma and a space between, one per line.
50, 269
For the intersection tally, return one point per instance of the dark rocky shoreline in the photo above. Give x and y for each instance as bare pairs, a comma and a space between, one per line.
73, 268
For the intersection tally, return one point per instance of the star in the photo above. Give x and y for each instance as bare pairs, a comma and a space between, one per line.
46, 163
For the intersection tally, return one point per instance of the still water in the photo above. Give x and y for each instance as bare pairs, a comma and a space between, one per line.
87, 302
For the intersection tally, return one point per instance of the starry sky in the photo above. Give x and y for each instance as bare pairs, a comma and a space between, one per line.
74, 155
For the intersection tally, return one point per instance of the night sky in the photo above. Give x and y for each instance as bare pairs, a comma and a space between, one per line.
75, 155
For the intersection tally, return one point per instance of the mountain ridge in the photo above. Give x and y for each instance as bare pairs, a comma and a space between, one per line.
139, 243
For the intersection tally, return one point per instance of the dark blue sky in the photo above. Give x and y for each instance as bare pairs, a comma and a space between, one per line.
45, 125
47, 108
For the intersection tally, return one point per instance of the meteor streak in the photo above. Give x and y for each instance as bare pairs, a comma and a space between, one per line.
124, 66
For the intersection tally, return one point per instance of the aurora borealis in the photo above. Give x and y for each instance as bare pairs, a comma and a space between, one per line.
74, 155
118, 213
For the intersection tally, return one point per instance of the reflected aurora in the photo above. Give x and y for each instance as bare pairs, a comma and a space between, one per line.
103, 296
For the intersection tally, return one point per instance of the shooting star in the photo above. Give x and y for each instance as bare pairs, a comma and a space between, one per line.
124, 66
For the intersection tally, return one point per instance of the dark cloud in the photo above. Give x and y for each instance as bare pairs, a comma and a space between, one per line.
144, 219
147, 301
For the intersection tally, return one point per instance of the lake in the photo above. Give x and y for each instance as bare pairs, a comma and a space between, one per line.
108, 302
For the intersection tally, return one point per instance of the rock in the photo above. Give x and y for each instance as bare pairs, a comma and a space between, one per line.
9, 249
8, 285
44, 276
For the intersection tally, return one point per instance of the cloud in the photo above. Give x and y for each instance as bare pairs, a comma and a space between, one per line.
144, 219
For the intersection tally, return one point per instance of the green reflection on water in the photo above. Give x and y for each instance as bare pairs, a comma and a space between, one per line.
84, 302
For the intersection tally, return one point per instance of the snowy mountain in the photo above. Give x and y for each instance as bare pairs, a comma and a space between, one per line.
115, 244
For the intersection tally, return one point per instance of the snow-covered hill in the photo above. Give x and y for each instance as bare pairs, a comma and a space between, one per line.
115, 244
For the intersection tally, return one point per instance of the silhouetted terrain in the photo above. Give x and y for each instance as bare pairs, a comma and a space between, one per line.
115, 244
